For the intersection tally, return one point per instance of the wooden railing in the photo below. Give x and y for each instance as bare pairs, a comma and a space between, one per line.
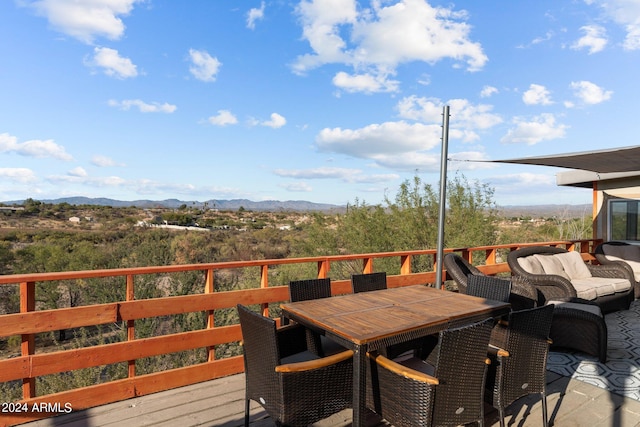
33, 362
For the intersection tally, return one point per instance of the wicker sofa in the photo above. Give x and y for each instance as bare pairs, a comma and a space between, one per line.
558, 274
624, 254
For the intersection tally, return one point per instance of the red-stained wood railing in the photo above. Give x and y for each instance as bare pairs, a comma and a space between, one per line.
29, 322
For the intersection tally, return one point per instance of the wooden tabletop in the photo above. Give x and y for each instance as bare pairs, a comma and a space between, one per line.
370, 316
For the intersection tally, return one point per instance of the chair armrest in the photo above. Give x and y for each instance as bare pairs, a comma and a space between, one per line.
620, 270
497, 351
315, 363
404, 371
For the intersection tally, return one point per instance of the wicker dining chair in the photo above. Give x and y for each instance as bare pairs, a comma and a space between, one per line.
369, 282
460, 269
489, 287
302, 290
295, 387
306, 289
519, 368
450, 392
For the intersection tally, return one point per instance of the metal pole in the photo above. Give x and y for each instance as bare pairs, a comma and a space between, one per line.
443, 194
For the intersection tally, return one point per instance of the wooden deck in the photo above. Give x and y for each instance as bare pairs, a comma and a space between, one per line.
220, 403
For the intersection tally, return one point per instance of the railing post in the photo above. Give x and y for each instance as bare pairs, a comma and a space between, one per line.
490, 256
405, 264
323, 269
367, 265
264, 283
28, 345
131, 328
209, 288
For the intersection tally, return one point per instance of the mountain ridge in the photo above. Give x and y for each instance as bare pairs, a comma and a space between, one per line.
290, 205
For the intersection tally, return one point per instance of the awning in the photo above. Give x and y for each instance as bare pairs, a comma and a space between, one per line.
625, 159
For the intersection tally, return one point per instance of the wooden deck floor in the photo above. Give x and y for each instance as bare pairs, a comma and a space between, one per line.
220, 403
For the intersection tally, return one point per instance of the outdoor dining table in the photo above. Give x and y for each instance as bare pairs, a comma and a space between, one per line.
369, 321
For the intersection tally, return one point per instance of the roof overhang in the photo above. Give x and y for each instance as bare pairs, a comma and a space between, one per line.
585, 179
626, 159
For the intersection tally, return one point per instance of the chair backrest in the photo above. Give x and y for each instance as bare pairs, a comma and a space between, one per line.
302, 290
460, 269
489, 287
524, 371
369, 282
461, 370
261, 355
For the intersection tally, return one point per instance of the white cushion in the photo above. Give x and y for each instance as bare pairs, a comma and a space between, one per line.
585, 289
531, 265
551, 265
574, 265
600, 285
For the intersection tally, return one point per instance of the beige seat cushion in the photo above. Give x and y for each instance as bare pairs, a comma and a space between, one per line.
574, 265
594, 287
552, 265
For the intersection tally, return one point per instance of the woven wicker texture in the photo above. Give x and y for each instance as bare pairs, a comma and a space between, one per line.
552, 287
290, 398
458, 398
523, 372
599, 253
302, 290
369, 282
460, 269
489, 287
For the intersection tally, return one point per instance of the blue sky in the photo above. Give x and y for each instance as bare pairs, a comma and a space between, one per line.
322, 100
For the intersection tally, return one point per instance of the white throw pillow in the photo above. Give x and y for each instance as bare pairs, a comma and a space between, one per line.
574, 265
552, 265
531, 265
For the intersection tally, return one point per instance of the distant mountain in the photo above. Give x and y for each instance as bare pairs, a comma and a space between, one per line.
235, 204
546, 211
297, 205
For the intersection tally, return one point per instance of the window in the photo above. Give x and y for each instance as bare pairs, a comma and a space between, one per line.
624, 221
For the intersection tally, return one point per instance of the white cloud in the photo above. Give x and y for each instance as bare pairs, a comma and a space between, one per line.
488, 91
33, 148
379, 140
104, 161
78, 171
85, 19
204, 67
223, 118
366, 83
531, 132
594, 39
383, 37
625, 13
20, 175
342, 174
255, 14
465, 116
297, 187
590, 93
143, 107
537, 95
112, 63
277, 121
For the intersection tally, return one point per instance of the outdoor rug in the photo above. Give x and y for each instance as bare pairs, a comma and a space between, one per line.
621, 373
